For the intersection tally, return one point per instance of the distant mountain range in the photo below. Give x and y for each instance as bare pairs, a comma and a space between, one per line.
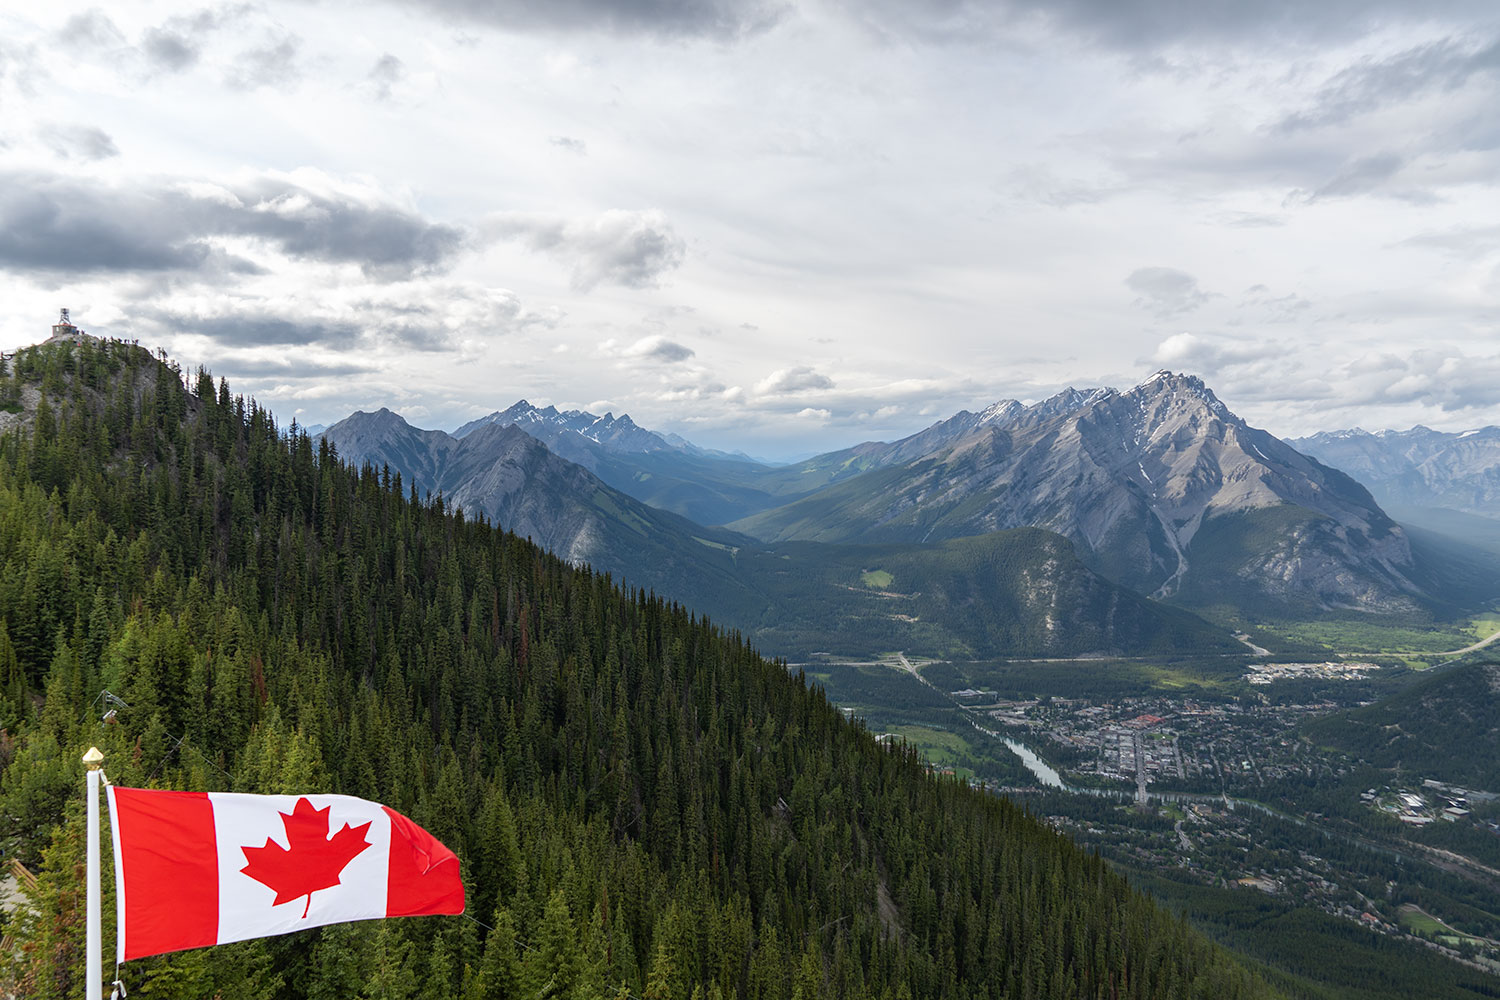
1159, 488
664, 470
1010, 593
1420, 467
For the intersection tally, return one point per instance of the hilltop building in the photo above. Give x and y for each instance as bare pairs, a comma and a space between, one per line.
64, 329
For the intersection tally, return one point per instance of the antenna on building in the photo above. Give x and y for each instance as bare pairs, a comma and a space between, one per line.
62, 319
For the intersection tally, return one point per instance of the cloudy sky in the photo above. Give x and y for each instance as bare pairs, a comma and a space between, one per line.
777, 226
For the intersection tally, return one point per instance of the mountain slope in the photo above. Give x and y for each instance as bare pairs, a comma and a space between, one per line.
517, 482
1418, 467
641, 804
1161, 487
1446, 727
1023, 592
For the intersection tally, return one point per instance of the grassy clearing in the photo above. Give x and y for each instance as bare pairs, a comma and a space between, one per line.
940, 746
1211, 677
1344, 636
1485, 625
1419, 921
878, 579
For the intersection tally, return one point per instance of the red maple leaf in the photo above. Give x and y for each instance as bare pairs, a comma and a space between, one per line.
314, 860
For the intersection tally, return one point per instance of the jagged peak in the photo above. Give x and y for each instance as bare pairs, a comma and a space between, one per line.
1176, 384
997, 410
609, 430
1175, 380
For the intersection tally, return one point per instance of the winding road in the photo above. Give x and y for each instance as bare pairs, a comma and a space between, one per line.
1469, 649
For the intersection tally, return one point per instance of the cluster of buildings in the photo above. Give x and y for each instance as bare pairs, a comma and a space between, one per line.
1331, 670
1435, 801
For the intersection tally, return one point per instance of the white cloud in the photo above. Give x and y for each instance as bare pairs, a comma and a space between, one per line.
785, 381
658, 348
1208, 354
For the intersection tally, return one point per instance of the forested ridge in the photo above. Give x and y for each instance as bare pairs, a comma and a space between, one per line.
643, 805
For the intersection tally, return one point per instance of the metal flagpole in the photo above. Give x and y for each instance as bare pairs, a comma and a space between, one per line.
93, 984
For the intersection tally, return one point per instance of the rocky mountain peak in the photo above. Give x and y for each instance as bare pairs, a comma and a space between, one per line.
1170, 384
1002, 410
574, 433
382, 420
1068, 401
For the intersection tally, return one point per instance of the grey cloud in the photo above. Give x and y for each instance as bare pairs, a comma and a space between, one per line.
91, 28
436, 319
256, 328
793, 380
721, 20
1250, 220
383, 239
1227, 158
1466, 242
58, 224
1439, 66
273, 64
1300, 376
1166, 291
169, 51
1311, 164
631, 249
1269, 308
1449, 380
1150, 25
415, 337
289, 368
1039, 183
54, 226
385, 74
177, 43
570, 144
659, 348
81, 142
1361, 176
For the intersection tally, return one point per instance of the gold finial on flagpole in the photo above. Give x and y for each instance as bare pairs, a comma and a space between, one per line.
93, 967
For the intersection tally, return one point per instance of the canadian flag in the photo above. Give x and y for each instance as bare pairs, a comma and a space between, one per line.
201, 868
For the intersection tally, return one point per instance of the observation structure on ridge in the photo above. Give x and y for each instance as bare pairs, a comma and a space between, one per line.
64, 329
64, 326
